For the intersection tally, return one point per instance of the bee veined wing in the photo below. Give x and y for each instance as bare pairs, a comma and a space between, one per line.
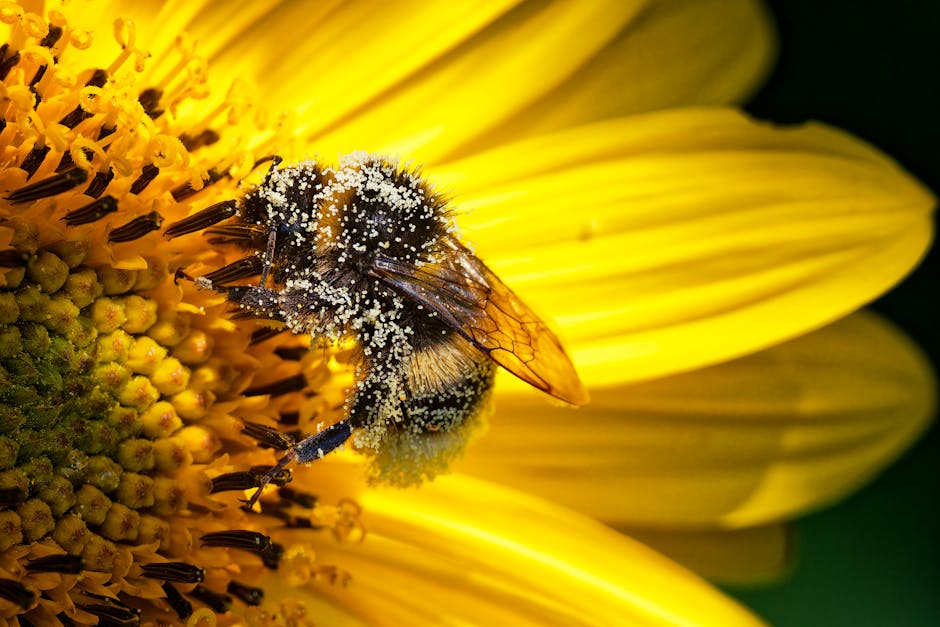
472, 300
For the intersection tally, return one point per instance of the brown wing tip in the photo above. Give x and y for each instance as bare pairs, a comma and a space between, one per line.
573, 393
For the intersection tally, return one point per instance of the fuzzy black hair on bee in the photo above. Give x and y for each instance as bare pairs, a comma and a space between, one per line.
369, 251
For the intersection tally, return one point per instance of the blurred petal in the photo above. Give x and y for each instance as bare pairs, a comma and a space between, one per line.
428, 79
566, 52
463, 551
752, 556
673, 240
753, 441
675, 53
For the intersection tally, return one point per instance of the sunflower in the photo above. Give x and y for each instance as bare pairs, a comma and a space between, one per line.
701, 267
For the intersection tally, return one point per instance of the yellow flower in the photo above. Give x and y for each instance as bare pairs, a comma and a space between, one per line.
690, 257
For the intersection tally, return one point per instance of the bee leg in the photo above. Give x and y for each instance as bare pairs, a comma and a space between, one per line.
309, 449
258, 301
268, 257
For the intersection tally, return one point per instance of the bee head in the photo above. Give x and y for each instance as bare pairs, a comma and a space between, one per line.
373, 207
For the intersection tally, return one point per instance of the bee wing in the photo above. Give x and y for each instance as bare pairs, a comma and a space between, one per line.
472, 300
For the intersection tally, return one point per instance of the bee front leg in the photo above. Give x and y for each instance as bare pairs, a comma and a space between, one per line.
259, 301
307, 450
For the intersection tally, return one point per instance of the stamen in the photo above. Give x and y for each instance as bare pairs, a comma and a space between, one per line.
238, 234
33, 160
242, 539
15, 592
136, 228
111, 611
247, 479
186, 190
180, 572
264, 334
213, 214
8, 63
91, 212
219, 603
55, 184
99, 183
248, 595
149, 99
291, 353
268, 436
194, 142
147, 174
250, 541
237, 270
287, 385
55, 32
289, 418
97, 79
182, 607
65, 564
303, 499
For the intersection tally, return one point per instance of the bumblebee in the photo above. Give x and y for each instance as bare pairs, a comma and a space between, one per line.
369, 251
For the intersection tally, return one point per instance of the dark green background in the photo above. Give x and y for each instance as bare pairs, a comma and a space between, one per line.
871, 68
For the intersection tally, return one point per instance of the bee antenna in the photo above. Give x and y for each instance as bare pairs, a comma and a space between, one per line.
275, 161
309, 449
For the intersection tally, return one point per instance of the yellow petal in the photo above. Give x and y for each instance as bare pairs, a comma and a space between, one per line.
462, 551
675, 53
672, 240
531, 54
753, 441
428, 79
752, 556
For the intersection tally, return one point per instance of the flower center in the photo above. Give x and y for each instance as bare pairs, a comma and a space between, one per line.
133, 412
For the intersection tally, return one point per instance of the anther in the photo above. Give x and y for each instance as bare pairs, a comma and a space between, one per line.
240, 269
180, 572
66, 162
250, 541
8, 63
65, 564
136, 228
53, 36
268, 436
91, 212
147, 174
15, 592
219, 603
242, 539
264, 333
238, 234
200, 220
246, 479
33, 160
182, 607
287, 385
248, 595
194, 142
149, 99
186, 189
303, 499
289, 418
111, 611
99, 183
291, 353
55, 184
